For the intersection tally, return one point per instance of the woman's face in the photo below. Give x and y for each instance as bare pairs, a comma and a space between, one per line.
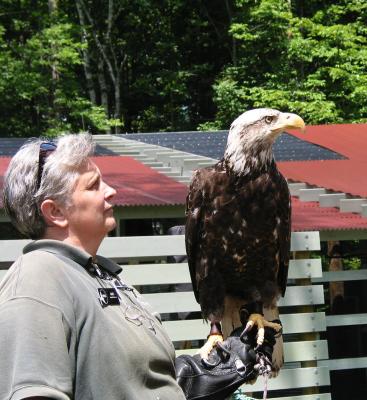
90, 217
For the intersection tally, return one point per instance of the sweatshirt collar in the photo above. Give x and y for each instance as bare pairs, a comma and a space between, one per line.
73, 253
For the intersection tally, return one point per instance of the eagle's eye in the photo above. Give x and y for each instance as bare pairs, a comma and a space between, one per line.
269, 119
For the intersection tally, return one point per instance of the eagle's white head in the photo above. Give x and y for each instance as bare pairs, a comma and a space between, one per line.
251, 137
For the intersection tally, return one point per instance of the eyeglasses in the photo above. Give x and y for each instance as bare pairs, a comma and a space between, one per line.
46, 148
138, 317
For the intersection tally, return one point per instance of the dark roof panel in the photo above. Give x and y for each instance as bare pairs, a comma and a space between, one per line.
9, 146
212, 144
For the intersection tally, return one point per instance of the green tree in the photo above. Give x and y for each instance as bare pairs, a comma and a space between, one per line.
93, 64
126, 66
313, 63
161, 56
39, 62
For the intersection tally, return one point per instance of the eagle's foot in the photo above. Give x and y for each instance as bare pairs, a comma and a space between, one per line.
261, 323
209, 345
214, 337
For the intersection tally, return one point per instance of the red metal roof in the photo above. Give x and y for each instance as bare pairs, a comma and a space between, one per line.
347, 139
136, 184
308, 216
347, 176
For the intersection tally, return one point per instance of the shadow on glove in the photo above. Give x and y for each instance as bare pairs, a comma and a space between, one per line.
232, 363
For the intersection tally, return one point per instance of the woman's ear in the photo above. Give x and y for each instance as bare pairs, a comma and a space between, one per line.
54, 214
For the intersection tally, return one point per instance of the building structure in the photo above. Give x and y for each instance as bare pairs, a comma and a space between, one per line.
325, 168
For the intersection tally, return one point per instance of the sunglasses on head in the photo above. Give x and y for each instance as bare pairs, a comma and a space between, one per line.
46, 148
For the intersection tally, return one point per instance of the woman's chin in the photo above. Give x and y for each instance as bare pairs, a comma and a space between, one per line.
111, 224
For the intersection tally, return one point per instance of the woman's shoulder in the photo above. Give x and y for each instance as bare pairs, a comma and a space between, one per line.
42, 264
38, 275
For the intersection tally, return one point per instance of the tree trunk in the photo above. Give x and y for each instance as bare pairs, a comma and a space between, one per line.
86, 57
234, 42
52, 6
108, 54
118, 101
103, 86
52, 9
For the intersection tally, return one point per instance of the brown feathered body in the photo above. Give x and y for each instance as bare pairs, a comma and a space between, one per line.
238, 224
237, 236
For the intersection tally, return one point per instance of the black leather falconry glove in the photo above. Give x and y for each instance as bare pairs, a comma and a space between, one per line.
230, 365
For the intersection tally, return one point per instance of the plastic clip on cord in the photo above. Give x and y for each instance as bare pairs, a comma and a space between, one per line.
264, 353
265, 372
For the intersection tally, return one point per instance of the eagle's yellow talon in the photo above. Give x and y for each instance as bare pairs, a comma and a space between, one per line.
249, 326
273, 325
209, 345
261, 322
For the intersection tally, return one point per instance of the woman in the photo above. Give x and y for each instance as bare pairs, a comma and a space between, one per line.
69, 331
70, 328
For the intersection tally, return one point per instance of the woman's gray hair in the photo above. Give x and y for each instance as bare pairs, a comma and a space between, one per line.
22, 198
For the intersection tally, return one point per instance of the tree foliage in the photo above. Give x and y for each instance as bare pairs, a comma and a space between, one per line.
307, 57
124, 66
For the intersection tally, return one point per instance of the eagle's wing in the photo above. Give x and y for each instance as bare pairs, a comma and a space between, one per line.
284, 234
193, 230
206, 184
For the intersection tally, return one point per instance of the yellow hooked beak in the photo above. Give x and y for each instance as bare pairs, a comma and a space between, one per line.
288, 121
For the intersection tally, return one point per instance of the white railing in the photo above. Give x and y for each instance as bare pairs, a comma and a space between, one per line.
306, 355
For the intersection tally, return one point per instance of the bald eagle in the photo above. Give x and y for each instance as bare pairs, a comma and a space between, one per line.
238, 229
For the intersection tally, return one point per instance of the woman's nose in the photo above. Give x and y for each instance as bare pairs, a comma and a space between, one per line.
109, 191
